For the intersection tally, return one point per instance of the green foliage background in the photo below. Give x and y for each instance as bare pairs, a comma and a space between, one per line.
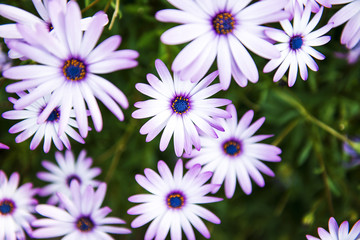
312, 183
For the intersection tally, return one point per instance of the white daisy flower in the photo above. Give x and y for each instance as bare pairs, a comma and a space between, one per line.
296, 42
66, 170
47, 130
16, 207
236, 154
173, 204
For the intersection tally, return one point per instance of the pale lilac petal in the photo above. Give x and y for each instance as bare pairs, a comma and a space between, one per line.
257, 45
191, 51
72, 26
184, 33
30, 71
292, 73
176, 16
245, 63
224, 63
18, 15
345, 13
92, 34
104, 49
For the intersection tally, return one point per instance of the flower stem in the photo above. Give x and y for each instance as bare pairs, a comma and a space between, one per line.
89, 6
285, 132
302, 110
116, 12
319, 156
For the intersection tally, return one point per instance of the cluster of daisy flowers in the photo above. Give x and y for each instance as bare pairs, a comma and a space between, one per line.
58, 93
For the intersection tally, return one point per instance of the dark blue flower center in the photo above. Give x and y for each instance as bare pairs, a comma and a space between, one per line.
180, 105
7, 206
85, 224
74, 70
232, 147
223, 23
175, 200
72, 177
54, 115
296, 42
50, 27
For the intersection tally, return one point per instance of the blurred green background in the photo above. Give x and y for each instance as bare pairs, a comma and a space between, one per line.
314, 181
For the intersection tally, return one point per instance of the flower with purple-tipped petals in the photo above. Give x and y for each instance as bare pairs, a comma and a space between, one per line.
173, 202
10, 31
296, 42
352, 55
16, 207
222, 30
181, 107
67, 169
47, 130
351, 14
314, 4
68, 67
5, 62
82, 218
236, 154
336, 232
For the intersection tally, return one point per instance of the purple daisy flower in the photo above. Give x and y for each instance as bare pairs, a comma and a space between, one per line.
222, 30
296, 42
236, 153
5, 62
314, 4
350, 14
336, 232
69, 67
16, 207
173, 202
66, 170
10, 31
352, 55
3, 146
47, 130
181, 107
82, 218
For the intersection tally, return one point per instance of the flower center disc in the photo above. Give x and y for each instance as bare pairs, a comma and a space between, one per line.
85, 224
54, 115
72, 177
223, 23
50, 27
74, 70
175, 200
7, 206
232, 148
296, 42
180, 105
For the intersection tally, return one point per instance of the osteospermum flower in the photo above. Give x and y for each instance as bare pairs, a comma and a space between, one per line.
336, 232
296, 42
173, 202
5, 62
69, 64
236, 153
314, 4
10, 31
47, 130
82, 218
66, 170
222, 30
351, 14
352, 56
16, 207
181, 107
